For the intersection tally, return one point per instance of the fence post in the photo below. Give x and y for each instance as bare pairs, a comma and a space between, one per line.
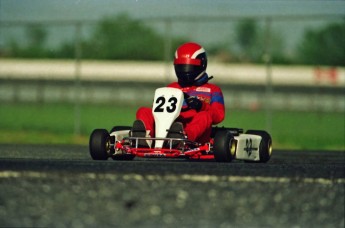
167, 49
269, 86
77, 88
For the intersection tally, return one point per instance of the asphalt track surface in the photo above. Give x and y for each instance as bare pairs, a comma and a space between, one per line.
60, 186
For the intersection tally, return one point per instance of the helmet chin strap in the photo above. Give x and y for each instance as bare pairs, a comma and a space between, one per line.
200, 80
202, 74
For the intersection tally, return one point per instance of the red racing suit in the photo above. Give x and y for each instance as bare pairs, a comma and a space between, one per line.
197, 125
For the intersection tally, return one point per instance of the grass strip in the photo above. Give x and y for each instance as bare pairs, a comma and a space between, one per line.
54, 124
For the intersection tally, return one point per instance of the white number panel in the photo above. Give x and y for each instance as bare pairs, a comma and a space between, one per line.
166, 108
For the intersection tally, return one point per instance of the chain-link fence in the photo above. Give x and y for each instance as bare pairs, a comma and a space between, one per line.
232, 60
228, 39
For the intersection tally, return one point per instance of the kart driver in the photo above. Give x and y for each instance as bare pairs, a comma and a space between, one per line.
203, 105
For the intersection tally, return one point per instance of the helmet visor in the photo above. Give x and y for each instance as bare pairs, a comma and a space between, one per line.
187, 73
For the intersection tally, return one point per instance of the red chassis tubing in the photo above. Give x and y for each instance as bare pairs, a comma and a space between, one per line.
199, 152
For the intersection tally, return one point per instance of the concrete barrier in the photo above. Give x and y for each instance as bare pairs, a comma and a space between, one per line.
160, 71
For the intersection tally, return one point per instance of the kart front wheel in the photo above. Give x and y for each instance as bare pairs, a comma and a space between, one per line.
121, 157
224, 147
99, 144
265, 148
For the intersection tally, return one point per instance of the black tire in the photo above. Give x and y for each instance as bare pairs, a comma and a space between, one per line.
224, 146
233, 131
99, 144
265, 148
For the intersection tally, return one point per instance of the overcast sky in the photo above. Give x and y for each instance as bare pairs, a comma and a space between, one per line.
94, 9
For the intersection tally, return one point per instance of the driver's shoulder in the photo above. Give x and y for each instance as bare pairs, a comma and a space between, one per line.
174, 85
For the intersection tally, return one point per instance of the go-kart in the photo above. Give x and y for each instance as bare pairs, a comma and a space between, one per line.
225, 145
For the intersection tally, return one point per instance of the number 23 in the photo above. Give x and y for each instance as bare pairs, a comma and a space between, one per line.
161, 102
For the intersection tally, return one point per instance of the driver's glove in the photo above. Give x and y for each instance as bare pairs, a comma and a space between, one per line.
194, 103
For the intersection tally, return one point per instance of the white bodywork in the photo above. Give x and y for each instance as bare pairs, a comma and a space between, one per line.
119, 135
248, 147
166, 108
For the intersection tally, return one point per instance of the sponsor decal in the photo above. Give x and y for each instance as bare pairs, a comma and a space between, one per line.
155, 155
203, 89
192, 150
249, 147
205, 99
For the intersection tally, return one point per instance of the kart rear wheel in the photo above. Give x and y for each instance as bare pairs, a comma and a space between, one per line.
99, 144
224, 147
265, 148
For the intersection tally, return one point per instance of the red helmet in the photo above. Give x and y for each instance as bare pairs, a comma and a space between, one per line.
190, 63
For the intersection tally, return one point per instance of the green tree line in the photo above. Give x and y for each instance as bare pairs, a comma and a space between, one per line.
124, 38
